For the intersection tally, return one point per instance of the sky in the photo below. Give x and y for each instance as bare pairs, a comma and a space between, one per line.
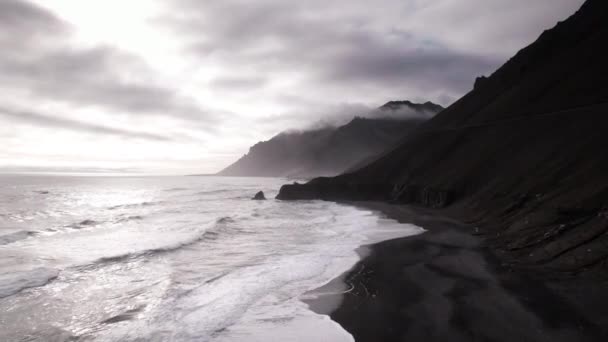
186, 86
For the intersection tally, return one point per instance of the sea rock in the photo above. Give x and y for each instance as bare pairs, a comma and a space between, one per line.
259, 196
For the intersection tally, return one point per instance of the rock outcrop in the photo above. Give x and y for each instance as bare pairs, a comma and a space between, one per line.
259, 196
479, 81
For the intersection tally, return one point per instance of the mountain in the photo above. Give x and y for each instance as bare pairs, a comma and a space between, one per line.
419, 107
332, 150
522, 156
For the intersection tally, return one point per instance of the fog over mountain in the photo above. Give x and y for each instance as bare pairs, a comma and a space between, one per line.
330, 150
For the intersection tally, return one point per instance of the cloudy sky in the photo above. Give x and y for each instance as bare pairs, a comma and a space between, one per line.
186, 86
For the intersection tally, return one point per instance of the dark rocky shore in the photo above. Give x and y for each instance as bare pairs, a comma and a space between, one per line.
519, 163
446, 285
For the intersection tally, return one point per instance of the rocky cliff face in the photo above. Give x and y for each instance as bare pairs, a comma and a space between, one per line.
332, 150
522, 155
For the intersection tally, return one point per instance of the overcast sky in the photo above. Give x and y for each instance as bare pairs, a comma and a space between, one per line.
186, 86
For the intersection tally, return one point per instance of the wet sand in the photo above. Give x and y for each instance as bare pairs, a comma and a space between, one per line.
445, 285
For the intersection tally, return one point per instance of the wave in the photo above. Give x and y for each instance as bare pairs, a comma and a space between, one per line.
130, 218
247, 197
83, 224
153, 251
14, 282
224, 220
88, 223
211, 234
212, 192
135, 205
16, 236
125, 316
91, 223
175, 189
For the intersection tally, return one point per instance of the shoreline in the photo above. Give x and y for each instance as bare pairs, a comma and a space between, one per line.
445, 284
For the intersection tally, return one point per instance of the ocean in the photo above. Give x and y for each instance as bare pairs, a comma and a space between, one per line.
171, 259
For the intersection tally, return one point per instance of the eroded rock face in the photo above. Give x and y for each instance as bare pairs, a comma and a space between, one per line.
425, 196
259, 196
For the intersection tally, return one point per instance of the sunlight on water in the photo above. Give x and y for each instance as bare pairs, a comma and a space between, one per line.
180, 259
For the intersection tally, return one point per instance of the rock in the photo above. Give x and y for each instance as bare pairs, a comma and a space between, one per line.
259, 196
479, 81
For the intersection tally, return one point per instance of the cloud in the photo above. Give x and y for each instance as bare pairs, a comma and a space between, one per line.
385, 64
238, 82
412, 48
20, 19
172, 74
340, 114
488, 27
56, 121
38, 58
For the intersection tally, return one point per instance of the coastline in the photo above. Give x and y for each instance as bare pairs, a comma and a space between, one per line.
445, 284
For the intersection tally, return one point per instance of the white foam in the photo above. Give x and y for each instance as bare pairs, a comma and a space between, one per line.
14, 237
260, 302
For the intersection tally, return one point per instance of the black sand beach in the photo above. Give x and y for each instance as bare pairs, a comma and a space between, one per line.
445, 285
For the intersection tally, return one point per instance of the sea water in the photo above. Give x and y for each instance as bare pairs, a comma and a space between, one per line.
171, 259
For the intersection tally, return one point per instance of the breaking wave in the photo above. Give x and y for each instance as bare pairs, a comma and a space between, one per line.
135, 205
212, 233
16, 236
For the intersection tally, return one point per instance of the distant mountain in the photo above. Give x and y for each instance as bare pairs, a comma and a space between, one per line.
420, 107
332, 150
523, 155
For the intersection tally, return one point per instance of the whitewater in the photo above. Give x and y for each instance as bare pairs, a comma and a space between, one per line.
171, 259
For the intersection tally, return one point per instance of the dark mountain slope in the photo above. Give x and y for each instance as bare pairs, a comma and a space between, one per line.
331, 151
523, 155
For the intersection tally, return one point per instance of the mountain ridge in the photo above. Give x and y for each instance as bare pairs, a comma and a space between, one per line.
332, 150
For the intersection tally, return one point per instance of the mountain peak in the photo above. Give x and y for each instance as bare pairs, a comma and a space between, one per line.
419, 107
